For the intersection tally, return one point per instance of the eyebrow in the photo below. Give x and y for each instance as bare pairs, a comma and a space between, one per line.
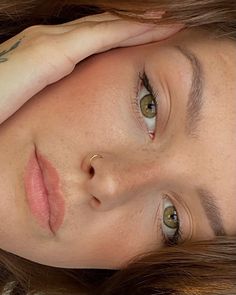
194, 108
212, 211
195, 96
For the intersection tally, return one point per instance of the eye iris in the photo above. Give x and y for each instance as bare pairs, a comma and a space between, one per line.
148, 106
171, 217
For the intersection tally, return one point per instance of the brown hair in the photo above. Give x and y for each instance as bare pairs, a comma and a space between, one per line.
197, 268
203, 267
218, 16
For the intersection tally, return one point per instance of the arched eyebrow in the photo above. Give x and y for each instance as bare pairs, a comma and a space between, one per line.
193, 117
195, 96
213, 212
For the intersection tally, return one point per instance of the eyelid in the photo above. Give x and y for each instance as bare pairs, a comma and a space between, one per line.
165, 102
148, 85
178, 236
184, 215
186, 221
136, 107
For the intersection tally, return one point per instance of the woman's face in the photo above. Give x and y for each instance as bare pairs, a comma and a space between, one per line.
161, 164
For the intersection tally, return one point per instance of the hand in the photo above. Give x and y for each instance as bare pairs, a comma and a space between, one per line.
43, 54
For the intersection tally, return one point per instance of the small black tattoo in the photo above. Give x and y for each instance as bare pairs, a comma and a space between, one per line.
4, 52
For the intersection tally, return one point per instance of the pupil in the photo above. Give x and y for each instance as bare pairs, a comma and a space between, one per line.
151, 106
148, 106
173, 216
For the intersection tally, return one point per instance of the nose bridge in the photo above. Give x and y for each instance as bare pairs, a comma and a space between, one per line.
114, 180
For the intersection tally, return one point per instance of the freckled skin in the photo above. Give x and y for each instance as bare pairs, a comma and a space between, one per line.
91, 111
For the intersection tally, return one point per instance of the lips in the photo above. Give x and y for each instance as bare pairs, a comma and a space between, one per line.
44, 196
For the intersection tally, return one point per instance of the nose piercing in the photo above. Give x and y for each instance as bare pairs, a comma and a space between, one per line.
94, 157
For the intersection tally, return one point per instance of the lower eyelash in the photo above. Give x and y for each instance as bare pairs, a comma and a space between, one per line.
143, 80
139, 118
135, 104
176, 240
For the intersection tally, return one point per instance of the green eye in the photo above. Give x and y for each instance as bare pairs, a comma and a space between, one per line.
170, 217
148, 106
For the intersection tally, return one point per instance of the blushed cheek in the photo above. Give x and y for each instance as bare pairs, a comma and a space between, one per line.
95, 99
119, 235
109, 255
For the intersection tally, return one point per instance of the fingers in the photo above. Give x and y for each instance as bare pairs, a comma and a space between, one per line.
106, 16
84, 41
157, 34
67, 27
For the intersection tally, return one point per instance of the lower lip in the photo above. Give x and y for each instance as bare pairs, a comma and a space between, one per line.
44, 197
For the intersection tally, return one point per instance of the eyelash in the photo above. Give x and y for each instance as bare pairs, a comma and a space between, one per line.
178, 236
144, 78
175, 240
146, 83
169, 242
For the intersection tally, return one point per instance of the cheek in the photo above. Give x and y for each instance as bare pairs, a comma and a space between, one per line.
120, 235
97, 107
95, 101
90, 102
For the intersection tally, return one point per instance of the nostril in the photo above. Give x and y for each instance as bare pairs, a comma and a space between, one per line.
91, 171
95, 202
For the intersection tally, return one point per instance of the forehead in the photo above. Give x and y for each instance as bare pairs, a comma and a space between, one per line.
218, 123
210, 159
216, 145
217, 58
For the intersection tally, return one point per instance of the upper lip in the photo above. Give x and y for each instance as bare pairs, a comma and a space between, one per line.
53, 187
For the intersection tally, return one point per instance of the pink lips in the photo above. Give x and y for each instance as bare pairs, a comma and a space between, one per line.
43, 193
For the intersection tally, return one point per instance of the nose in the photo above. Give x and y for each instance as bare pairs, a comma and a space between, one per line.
113, 180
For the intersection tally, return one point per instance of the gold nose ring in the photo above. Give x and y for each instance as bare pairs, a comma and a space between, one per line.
94, 157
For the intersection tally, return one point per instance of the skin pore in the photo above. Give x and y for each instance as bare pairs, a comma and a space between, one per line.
115, 210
